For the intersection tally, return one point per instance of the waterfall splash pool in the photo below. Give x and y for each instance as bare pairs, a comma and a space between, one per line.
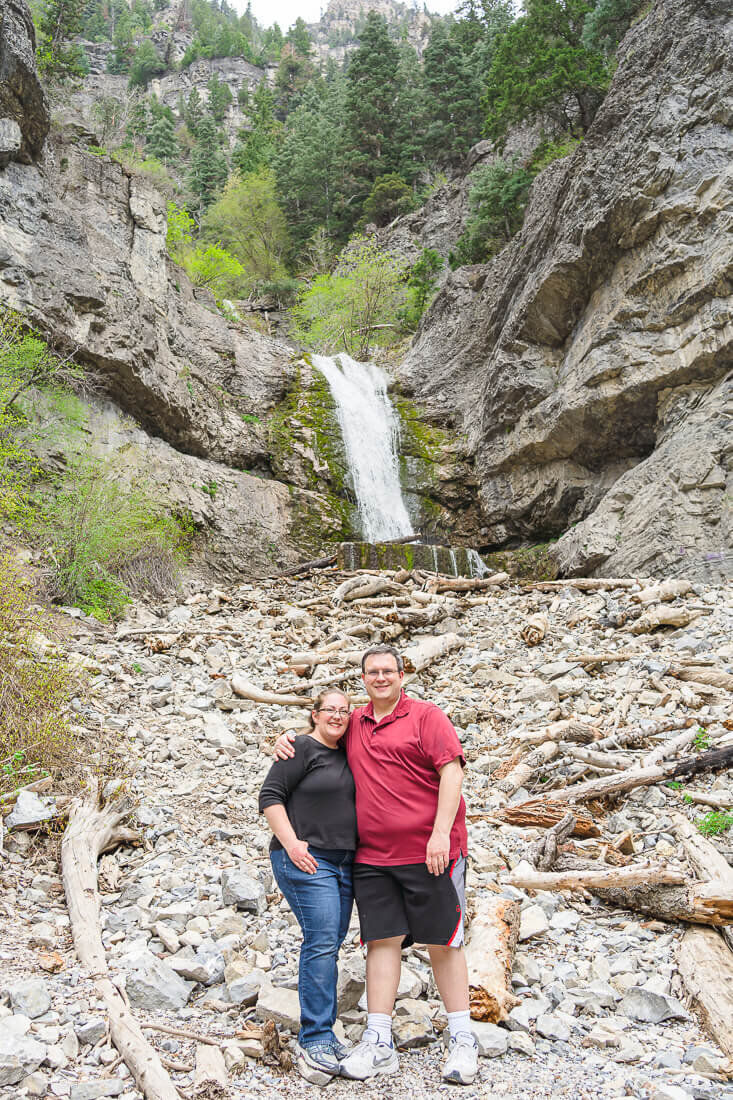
370, 432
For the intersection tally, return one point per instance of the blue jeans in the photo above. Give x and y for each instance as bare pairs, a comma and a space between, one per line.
322, 905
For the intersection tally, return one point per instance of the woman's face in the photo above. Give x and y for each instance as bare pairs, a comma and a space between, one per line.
333, 717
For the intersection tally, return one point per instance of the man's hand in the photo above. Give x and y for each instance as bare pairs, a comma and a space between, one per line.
284, 746
302, 858
438, 852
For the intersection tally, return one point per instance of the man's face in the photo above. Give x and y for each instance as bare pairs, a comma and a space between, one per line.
382, 680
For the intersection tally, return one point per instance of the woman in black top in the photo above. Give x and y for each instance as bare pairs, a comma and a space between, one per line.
309, 805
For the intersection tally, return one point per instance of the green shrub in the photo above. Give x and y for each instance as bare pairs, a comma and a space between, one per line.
35, 690
715, 823
108, 541
421, 284
497, 201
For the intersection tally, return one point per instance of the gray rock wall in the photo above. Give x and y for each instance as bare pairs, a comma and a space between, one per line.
562, 356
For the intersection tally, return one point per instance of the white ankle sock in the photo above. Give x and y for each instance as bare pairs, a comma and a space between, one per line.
381, 1024
459, 1021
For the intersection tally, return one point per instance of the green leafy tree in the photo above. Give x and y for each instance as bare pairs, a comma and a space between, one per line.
497, 201
161, 142
220, 97
123, 39
607, 23
248, 222
58, 22
109, 112
541, 66
371, 105
293, 73
145, 64
421, 284
389, 197
356, 304
208, 168
213, 267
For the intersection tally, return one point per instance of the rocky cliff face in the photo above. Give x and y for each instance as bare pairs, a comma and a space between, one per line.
588, 362
83, 257
23, 110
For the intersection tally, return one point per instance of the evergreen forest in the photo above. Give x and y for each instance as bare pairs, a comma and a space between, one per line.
326, 150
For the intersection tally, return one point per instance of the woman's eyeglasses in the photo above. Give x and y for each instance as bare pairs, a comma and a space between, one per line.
342, 713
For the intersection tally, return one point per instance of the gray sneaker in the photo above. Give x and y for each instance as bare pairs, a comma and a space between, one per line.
317, 1064
368, 1059
461, 1065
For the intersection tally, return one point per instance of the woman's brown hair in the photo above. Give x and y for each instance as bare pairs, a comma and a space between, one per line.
318, 702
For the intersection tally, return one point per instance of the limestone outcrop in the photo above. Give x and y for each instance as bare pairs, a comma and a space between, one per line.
587, 361
24, 117
83, 257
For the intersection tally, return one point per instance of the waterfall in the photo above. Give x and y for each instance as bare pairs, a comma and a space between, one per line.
370, 433
477, 564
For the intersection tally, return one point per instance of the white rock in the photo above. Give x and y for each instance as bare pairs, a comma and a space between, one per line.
30, 997
243, 891
551, 1027
153, 985
492, 1041
29, 807
533, 922
19, 1056
277, 1003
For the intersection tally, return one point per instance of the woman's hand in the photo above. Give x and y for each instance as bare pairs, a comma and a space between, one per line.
284, 746
301, 857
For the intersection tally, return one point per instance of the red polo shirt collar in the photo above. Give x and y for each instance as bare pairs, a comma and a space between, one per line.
402, 707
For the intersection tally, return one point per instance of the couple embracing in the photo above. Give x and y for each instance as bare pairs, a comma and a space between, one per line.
369, 806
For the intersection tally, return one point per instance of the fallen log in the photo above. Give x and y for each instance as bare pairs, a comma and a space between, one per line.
715, 801
706, 967
534, 630
524, 877
246, 690
702, 674
694, 903
669, 748
645, 777
606, 760
707, 862
544, 851
658, 593
663, 615
568, 729
520, 775
210, 1079
417, 618
489, 957
583, 584
92, 830
616, 656
543, 813
364, 585
429, 649
306, 566
466, 584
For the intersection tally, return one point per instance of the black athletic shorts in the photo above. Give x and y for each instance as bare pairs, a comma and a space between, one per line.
408, 901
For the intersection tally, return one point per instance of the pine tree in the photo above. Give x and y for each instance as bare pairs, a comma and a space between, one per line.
371, 104
161, 142
194, 112
208, 169
409, 135
452, 99
58, 22
256, 145
220, 97
541, 65
145, 65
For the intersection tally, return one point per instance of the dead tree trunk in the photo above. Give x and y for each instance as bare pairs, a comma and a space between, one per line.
90, 832
706, 966
490, 955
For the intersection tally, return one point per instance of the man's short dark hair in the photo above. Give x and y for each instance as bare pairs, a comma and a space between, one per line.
386, 649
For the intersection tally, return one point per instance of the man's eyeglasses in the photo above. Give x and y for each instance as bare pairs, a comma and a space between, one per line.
374, 673
342, 713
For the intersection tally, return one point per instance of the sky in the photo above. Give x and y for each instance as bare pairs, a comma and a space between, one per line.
285, 12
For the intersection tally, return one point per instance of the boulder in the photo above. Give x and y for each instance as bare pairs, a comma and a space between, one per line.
153, 986
20, 1055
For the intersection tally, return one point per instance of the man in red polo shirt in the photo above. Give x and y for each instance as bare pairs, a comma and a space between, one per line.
407, 764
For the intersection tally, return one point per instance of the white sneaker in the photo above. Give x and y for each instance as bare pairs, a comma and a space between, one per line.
369, 1059
461, 1065
318, 1065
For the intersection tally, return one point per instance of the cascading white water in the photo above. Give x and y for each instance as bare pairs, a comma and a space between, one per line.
476, 564
370, 433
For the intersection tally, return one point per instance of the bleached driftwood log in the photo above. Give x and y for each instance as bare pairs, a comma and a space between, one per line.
645, 777
91, 831
544, 852
707, 862
490, 955
694, 903
584, 584
568, 729
663, 615
430, 648
669, 748
524, 877
210, 1080
706, 966
534, 630
246, 690
702, 674
658, 593
531, 763
466, 584
362, 585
